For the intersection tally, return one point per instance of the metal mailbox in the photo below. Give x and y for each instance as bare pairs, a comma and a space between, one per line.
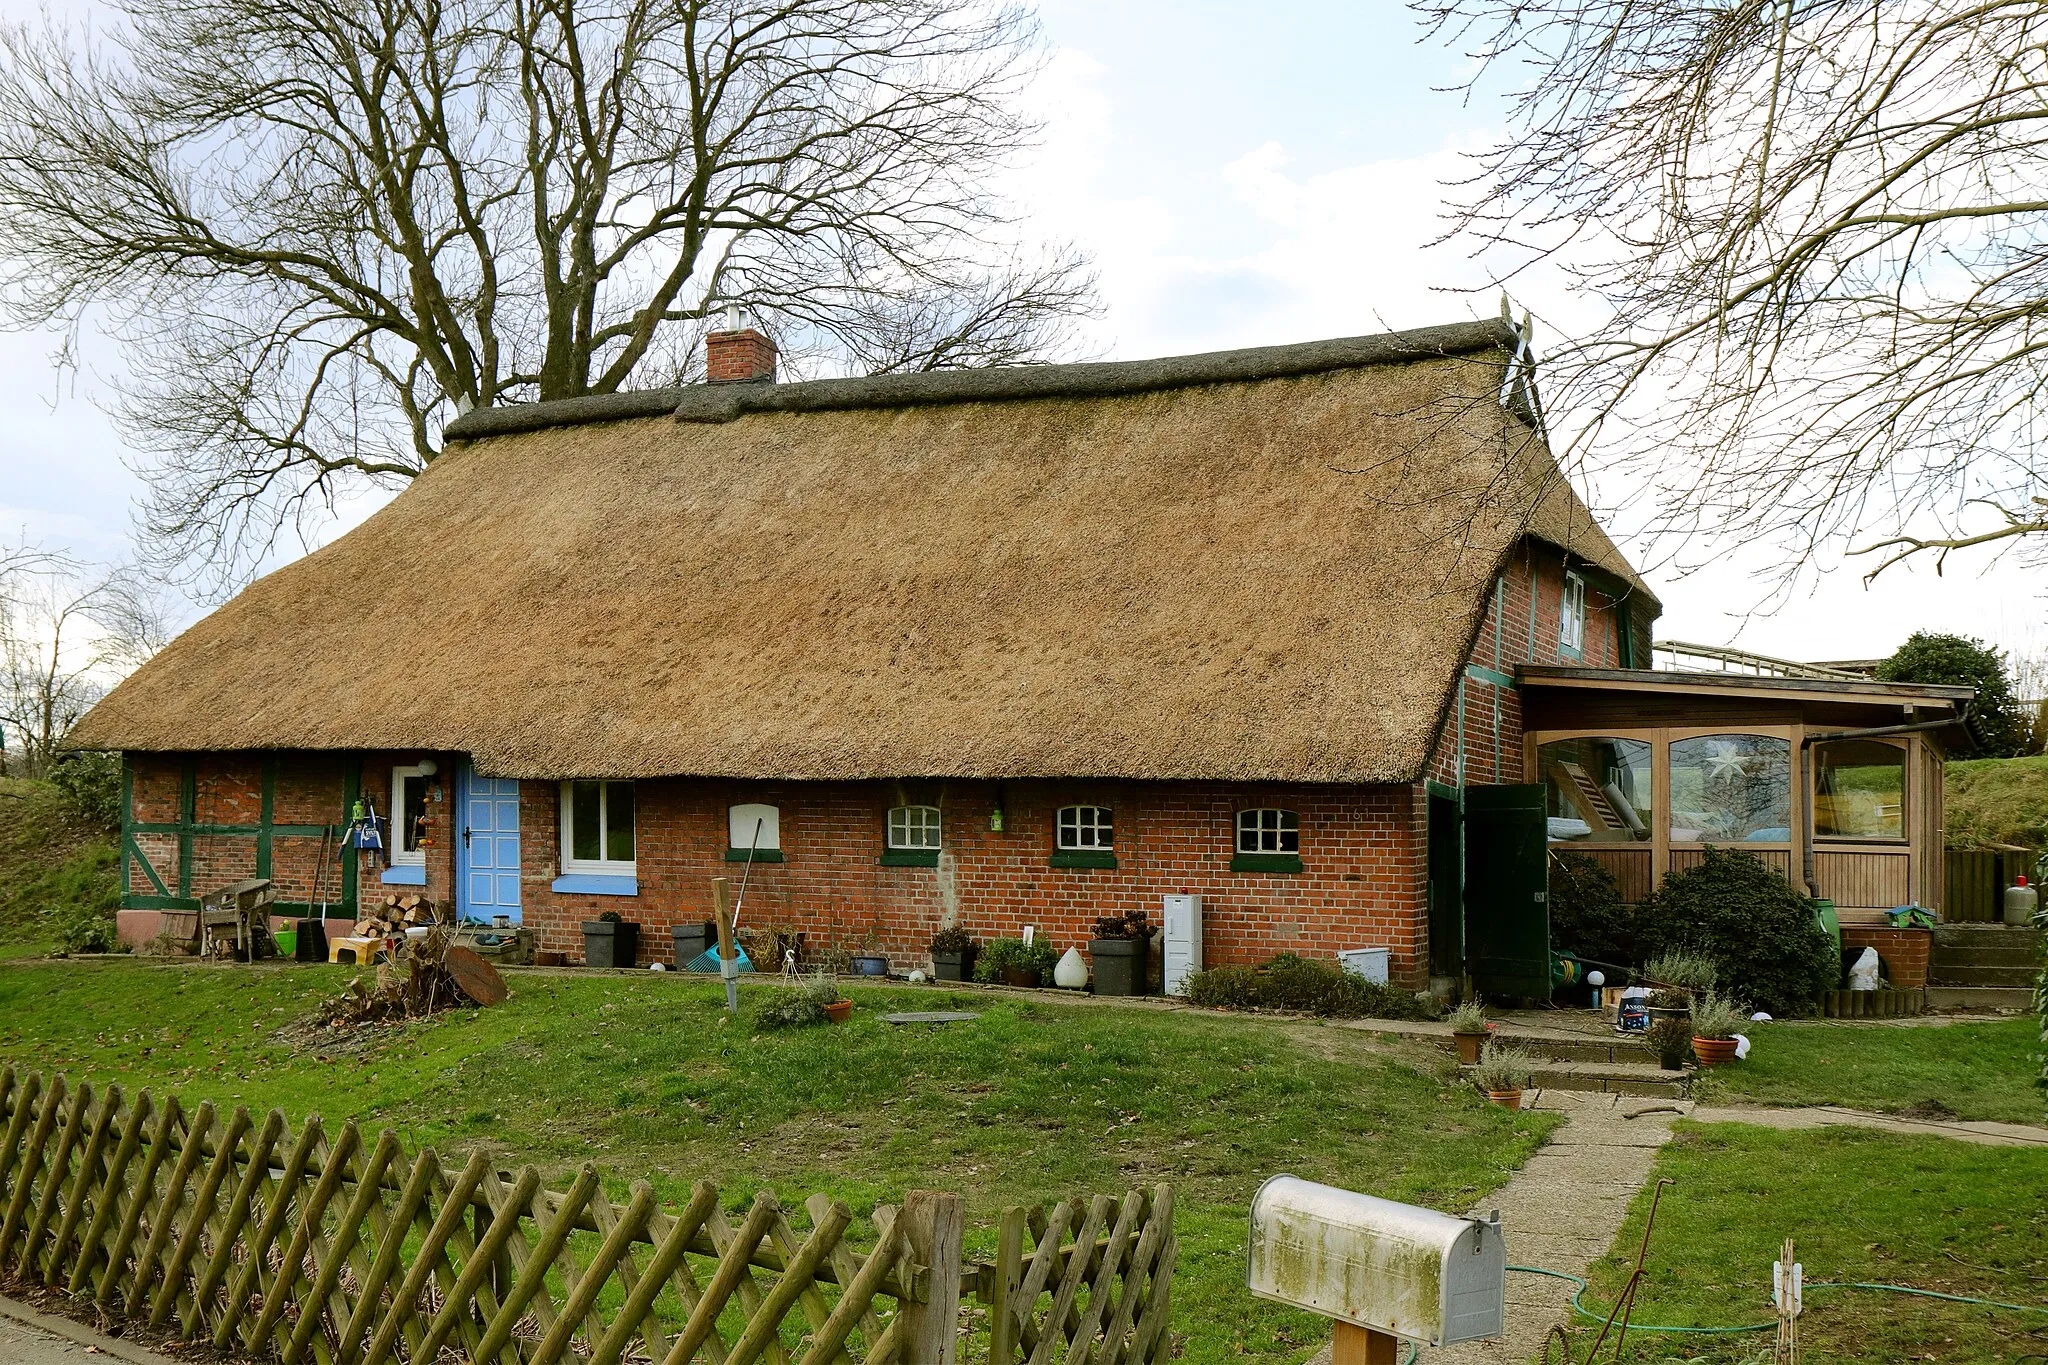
1377, 1264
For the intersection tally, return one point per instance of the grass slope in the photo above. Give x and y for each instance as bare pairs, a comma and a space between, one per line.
1982, 1070
1032, 1101
48, 862
1862, 1206
1988, 801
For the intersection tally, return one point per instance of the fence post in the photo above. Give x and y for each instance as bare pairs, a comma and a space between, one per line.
932, 1220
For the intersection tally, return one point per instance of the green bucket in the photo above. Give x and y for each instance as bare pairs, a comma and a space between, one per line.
287, 941
1824, 911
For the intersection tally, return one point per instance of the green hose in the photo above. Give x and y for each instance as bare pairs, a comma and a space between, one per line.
1579, 1307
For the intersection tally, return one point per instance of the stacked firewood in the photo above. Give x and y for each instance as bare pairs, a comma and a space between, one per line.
427, 973
400, 913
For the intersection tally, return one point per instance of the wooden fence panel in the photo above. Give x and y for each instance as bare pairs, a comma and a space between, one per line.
1977, 879
306, 1247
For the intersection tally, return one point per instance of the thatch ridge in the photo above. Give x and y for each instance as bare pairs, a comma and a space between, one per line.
1100, 379
1273, 579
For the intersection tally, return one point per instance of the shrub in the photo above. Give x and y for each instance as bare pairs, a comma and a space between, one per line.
1671, 1040
1587, 916
76, 900
999, 954
91, 783
1997, 717
953, 939
789, 1009
1503, 1068
1306, 985
1130, 924
1682, 971
1469, 1017
1761, 935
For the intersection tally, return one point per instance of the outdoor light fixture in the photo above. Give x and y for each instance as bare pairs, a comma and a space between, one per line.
427, 767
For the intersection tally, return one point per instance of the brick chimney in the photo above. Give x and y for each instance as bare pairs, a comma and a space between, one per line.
739, 356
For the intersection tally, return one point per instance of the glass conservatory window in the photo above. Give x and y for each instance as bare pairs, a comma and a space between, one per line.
1731, 789
1859, 790
1596, 790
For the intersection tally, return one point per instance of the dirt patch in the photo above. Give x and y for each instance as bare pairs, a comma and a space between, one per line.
1927, 1109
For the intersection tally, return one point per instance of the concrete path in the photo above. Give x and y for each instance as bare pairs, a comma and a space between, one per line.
31, 1337
1979, 1131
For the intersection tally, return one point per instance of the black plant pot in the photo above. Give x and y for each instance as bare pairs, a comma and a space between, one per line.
954, 966
1119, 965
606, 944
870, 964
692, 941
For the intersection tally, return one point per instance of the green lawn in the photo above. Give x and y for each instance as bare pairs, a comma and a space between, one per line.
1926, 1212
1032, 1101
1981, 1070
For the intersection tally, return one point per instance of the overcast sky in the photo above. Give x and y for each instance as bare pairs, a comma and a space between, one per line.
1237, 184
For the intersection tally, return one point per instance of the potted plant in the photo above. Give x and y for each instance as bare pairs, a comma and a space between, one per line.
1671, 1040
1714, 1022
691, 940
822, 989
1684, 973
1503, 1073
1013, 962
610, 940
871, 960
1468, 1026
953, 954
1119, 949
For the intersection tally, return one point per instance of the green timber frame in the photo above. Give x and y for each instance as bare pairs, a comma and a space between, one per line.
265, 831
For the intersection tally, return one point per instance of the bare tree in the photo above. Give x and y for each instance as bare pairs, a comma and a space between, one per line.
1820, 230
322, 228
67, 633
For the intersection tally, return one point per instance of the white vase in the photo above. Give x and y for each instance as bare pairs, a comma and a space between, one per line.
1072, 972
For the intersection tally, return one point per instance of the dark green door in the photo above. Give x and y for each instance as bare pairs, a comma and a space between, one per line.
1446, 884
1507, 911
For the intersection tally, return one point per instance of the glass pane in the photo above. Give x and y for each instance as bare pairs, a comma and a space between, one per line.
1268, 831
1729, 788
412, 811
584, 845
1287, 831
1069, 831
1596, 790
618, 822
915, 827
1859, 790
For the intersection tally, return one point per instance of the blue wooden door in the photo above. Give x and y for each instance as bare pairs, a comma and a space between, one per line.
487, 851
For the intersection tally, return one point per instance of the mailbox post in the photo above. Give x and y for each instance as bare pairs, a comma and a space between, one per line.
1382, 1270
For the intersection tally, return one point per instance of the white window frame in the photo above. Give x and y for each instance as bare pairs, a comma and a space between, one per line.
400, 856
1084, 829
1571, 615
1268, 836
895, 830
597, 867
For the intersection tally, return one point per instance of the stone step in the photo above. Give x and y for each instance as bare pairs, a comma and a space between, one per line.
1948, 974
1589, 1048
1979, 998
1985, 935
1613, 1078
1990, 955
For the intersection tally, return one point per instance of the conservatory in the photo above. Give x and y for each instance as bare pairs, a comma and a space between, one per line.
1835, 783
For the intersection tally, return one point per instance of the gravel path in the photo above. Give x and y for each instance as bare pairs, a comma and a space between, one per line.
30, 1337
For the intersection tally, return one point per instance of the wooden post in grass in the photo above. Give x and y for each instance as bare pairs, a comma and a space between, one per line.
728, 958
933, 1222
1351, 1344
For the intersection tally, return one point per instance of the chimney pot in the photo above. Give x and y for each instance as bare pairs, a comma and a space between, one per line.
739, 356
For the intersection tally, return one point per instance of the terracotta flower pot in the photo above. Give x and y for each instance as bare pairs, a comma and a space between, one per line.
1469, 1045
1713, 1051
1506, 1099
839, 1011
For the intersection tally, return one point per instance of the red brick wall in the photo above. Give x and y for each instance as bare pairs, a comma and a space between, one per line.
1361, 853
1904, 952
738, 357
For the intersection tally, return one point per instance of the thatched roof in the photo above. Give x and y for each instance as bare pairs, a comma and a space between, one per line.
1254, 565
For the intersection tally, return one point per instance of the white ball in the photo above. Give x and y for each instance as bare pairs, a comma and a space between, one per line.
657, 966
1596, 978
917, 976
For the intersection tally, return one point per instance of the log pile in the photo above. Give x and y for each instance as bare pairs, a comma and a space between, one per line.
426, 974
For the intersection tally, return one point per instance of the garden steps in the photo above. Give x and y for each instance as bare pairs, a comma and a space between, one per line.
2016, 998
1610, 1078
1998, 956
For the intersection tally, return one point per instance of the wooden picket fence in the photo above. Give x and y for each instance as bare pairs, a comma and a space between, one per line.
345, 1252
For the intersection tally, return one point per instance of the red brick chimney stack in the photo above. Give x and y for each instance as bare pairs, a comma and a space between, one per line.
738, 355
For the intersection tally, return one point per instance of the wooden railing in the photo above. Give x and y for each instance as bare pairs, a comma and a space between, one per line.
336, 1250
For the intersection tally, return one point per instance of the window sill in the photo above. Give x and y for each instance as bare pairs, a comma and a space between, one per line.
1083, 857
753, 855
592, 884
910, 857
1265, 862
405, 874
